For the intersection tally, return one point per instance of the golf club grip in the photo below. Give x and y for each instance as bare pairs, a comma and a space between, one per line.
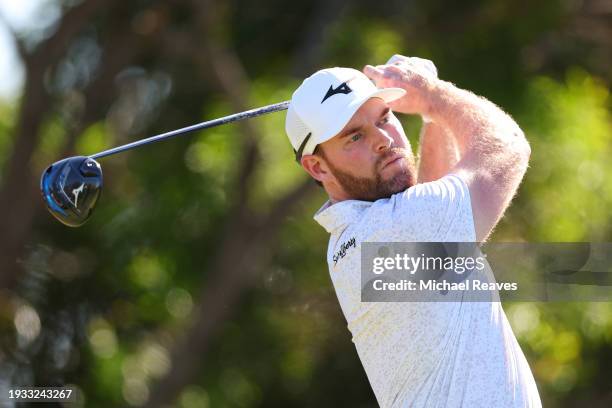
199, 126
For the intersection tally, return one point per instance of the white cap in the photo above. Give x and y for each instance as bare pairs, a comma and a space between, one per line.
325, 102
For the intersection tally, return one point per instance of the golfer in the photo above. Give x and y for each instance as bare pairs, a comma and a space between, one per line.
345, 134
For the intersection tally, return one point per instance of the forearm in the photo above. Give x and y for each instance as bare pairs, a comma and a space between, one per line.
437, 152
476, 124
493, 151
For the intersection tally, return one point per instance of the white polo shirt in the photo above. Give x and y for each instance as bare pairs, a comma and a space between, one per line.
424, 354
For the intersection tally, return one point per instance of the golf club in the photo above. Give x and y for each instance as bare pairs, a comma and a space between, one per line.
71, 187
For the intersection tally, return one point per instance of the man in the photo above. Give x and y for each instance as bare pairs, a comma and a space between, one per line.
472, 159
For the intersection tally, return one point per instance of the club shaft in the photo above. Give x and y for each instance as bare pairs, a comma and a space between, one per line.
199, 126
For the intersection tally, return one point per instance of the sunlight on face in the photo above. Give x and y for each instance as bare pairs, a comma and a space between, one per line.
371, 157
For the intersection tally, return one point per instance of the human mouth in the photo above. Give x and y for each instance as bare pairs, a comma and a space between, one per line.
392, 160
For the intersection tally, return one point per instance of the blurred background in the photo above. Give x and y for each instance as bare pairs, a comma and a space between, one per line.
200, 280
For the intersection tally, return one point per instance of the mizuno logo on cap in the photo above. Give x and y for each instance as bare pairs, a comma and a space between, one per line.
343, 88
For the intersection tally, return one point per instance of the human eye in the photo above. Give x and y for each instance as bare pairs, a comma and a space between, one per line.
384, 120
355, 137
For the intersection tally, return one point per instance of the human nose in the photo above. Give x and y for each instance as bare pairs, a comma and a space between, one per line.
381, 140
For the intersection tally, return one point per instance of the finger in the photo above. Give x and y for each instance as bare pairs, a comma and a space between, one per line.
396, 59
431, 67
395, 69
373, 72
425, 63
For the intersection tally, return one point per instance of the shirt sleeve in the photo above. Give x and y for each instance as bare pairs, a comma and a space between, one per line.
438, 211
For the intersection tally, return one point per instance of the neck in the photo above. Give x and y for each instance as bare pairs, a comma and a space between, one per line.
336, 198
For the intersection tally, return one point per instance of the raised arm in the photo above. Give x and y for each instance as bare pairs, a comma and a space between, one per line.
493, 151
438, 152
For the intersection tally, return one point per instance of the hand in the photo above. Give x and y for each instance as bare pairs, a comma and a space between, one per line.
398, 59
416, 75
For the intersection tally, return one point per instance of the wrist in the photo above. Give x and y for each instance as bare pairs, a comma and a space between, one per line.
434, 96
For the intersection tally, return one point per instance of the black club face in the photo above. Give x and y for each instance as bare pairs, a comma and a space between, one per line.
71, 188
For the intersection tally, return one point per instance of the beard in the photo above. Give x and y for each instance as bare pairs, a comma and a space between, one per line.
375, 187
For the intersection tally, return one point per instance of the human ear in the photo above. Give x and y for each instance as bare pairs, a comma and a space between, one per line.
316, 167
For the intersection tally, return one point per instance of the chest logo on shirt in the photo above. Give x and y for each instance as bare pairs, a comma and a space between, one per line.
343, 248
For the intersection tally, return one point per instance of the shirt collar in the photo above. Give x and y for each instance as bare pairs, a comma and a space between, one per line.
333, 216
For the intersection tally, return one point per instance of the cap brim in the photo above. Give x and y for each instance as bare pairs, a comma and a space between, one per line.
386, 94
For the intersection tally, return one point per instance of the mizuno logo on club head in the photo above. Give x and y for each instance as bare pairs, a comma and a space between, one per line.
76, 192
343, 88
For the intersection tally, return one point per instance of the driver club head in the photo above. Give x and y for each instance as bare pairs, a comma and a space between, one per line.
71, 188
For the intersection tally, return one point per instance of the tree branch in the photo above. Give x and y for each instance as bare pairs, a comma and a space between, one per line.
19, 187
252, 237
232, 277
98, 95
232, 79
19, 46
72, 22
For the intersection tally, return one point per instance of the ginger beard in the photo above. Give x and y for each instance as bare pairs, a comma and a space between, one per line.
376, 187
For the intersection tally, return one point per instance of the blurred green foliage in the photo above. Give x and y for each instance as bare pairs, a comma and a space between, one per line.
111, 298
